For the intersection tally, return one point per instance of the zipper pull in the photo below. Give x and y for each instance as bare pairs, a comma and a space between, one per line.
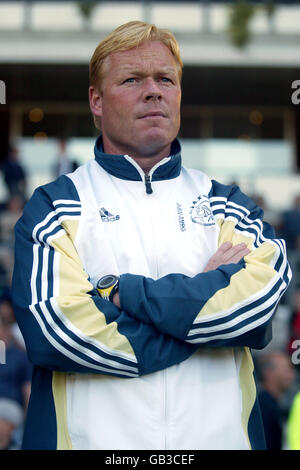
148, 184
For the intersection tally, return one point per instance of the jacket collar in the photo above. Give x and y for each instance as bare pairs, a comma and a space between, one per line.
124, 167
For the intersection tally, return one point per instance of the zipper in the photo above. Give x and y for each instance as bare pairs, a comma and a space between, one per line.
149, 201
146, 178
150, 208
149, 189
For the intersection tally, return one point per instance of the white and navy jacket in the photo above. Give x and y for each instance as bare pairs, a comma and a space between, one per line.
172, 369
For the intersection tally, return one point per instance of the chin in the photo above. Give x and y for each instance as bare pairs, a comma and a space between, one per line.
154, 147
156, 139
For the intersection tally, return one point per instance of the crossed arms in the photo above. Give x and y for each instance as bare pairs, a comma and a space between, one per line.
68, 327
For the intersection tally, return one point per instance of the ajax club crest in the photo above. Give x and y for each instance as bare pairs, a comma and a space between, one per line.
201, 212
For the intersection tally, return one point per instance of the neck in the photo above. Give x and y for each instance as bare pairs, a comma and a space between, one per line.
146, 163
146, 160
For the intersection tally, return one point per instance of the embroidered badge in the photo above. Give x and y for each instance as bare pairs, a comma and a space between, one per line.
201, 212
107, 216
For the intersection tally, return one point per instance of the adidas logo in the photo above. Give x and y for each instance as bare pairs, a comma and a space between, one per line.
106, 216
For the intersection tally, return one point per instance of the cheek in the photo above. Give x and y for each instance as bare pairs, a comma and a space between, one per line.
179, 100
176, 109
116, 106
124, 102
175, 101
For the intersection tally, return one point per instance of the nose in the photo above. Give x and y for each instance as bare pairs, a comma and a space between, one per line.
152, 91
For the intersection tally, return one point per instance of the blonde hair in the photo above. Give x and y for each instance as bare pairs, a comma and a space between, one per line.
128, 36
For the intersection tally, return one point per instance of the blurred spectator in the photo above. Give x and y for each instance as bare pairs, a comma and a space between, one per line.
8, 318
65, 163
293, 425
271, 216
14, 174
3, 276
10, 214
6, 310
276, 375
6, 266
15, 384
291, 225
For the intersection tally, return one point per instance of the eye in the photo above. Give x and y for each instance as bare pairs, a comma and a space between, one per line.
166, 80
130, 80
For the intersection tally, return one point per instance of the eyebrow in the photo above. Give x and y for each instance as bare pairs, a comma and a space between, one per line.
136, 71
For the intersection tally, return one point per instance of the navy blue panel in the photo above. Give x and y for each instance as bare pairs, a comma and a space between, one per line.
118, 166
153, 349
163, 301
62, 188
255, 428
40, 428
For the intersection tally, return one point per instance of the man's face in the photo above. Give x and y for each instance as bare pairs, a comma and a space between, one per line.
139, 103
283, 373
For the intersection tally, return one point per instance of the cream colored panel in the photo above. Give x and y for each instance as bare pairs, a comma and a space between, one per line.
77, 305
228, 233
60, 401
248, 281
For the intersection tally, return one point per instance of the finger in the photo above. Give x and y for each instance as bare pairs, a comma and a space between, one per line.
223, 248
239, 251
227, 254
239, 256
224, 253
234, 251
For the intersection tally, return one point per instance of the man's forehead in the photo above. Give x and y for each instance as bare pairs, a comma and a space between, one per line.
147, 66
148, 54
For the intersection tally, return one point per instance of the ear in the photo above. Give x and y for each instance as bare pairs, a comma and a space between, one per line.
95, 99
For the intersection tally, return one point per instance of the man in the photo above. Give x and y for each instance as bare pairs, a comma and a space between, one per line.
15, 378
65, 163
14, 174
163, 360
277, 374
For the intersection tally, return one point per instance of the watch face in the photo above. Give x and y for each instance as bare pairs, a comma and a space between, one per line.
107, 281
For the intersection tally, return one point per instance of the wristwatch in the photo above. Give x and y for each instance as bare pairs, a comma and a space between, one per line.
107, 286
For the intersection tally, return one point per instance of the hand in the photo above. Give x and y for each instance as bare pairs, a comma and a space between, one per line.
227, 254
116, 300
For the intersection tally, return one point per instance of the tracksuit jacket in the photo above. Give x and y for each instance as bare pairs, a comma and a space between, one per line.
171, 369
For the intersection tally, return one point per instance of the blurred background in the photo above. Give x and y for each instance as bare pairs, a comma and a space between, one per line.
240, 123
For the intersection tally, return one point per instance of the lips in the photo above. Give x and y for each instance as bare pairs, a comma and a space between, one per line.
153, 114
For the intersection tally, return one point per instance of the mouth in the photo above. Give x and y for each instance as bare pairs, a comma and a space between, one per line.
154, 114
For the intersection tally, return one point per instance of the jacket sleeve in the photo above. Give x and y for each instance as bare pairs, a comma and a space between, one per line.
230, 306
65, 324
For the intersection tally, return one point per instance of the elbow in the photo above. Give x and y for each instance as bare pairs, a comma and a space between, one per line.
258, 338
